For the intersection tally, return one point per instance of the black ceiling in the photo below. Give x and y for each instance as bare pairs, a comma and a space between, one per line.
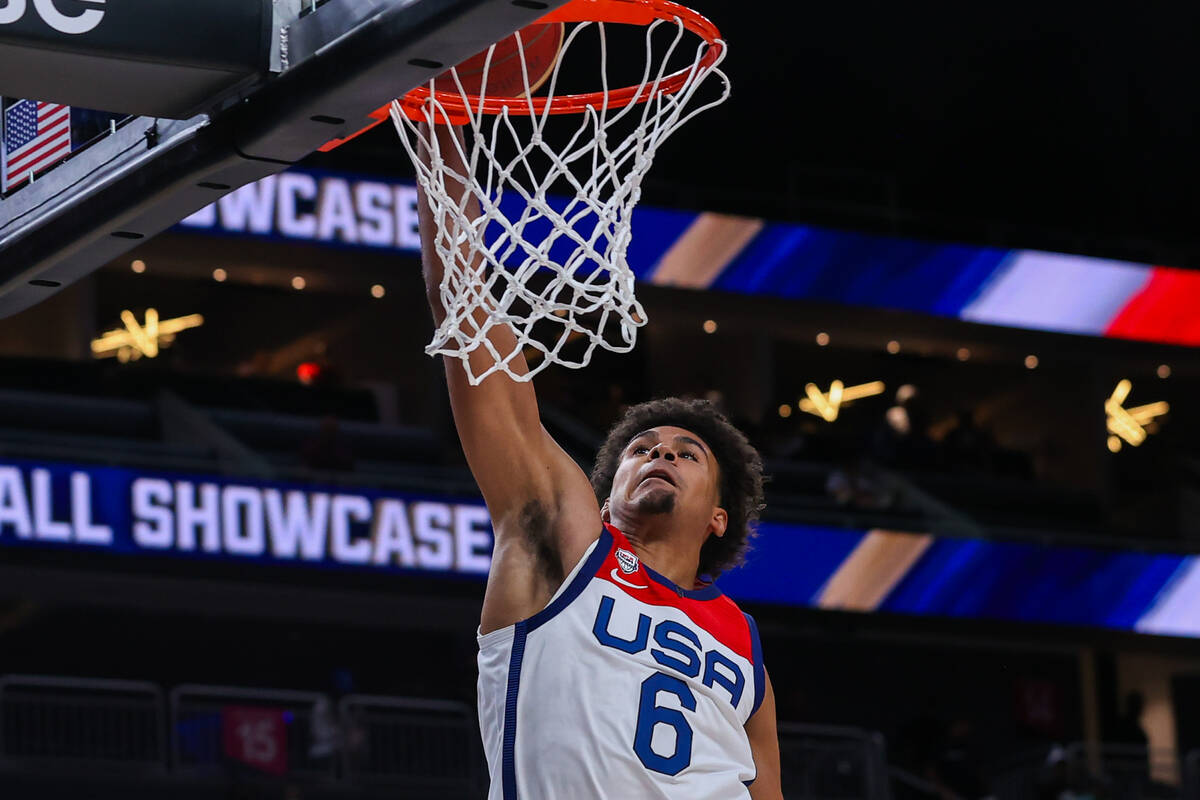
1062, 126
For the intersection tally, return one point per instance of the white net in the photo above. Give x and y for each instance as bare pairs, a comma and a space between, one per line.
534, 258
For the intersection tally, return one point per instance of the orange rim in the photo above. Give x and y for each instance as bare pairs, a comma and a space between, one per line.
629, 12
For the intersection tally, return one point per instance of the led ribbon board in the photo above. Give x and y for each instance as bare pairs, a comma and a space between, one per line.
995, 286
207, 518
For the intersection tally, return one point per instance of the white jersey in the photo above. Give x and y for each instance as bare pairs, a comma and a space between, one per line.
624, 685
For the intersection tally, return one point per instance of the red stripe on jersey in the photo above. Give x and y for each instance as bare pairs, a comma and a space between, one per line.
719, 615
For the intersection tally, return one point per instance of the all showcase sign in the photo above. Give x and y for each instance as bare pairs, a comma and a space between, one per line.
129, 511
317, 207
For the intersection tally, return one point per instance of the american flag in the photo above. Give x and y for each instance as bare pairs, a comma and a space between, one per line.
36, 136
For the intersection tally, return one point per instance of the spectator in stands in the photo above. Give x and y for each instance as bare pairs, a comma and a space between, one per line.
919, 741
1135, 744
957, 770
902, 440
1059, 781
1128, 729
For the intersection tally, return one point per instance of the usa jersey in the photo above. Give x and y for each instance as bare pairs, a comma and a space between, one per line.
623, 686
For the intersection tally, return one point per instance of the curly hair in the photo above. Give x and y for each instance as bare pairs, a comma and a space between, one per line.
740, 466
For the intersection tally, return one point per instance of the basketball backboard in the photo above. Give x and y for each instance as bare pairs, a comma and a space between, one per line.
326, 65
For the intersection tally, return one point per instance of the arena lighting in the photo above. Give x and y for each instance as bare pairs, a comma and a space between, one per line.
893, 347
219, 275
710, 326
142, 339
1031, 362
378, 291
138, 266
785, 410
1163, 371
307, 372
822, 339
827, 405
963, 354
1129, 424
298, 283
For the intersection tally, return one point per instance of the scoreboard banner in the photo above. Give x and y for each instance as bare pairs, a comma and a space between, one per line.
123, 510
1027, 289
199, 517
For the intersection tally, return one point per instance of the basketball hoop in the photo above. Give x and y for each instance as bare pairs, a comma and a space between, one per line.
556, 264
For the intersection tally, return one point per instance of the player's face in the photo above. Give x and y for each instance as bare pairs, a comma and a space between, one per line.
666, 470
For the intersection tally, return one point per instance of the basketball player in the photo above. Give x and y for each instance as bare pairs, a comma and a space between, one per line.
608, 667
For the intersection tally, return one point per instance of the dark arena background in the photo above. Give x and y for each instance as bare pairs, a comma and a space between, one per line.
939, 264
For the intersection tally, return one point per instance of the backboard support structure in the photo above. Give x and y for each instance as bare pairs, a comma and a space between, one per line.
330, 68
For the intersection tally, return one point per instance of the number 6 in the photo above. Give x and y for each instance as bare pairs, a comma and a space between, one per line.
651, 714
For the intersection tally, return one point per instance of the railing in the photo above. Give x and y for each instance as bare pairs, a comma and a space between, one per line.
1111, 771
904, 784
80, 729
98, 725
414, 745
832, 763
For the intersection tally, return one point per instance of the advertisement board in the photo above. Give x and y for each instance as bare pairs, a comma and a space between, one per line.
198, 517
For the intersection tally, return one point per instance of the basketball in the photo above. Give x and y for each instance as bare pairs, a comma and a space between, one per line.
539, 43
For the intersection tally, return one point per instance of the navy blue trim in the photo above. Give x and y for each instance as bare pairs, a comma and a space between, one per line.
509, 768
747, 783
760, 672
589, 570
707, 593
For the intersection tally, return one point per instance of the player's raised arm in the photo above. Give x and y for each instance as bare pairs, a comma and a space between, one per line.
543, 509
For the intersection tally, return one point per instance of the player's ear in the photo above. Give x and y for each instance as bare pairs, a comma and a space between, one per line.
718, 522
605, 516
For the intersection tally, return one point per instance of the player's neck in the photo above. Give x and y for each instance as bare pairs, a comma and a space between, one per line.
669, 554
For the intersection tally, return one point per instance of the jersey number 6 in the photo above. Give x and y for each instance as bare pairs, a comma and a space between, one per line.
650, 714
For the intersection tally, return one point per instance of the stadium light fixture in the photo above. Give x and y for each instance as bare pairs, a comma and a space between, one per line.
827, 405
138, 339
1130, 425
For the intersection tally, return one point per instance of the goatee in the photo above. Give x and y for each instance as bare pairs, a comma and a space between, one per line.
657, 503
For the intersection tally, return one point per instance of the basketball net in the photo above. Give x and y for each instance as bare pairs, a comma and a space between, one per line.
530, 259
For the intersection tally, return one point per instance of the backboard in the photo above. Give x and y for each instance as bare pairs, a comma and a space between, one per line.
323, 68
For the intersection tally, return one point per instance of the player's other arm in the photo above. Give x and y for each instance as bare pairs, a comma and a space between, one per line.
764, 745
542, 506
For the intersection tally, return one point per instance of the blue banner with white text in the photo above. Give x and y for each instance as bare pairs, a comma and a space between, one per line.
207, 518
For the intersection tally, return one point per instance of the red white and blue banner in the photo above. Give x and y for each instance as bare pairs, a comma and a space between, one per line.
36, 136
204, 518
1015, 288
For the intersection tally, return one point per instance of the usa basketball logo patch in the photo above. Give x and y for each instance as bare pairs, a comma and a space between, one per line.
627, 561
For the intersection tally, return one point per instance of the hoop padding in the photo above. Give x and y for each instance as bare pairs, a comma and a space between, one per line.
530, 259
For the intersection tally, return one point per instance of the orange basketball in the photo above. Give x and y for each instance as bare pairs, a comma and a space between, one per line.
540, 44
